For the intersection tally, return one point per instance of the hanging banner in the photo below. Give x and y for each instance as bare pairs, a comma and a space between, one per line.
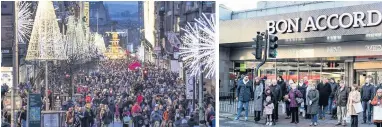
86, 13
34, 110
242, 67
189, 86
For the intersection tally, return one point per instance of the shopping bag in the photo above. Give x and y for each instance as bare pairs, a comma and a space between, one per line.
358, 107
376, 113
283, 107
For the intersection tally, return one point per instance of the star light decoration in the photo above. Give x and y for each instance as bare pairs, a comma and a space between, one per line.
24, 21
198, 47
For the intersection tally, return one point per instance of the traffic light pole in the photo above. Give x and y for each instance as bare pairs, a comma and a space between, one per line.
265, 56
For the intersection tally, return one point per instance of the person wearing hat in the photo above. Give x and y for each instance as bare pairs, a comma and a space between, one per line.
243, 95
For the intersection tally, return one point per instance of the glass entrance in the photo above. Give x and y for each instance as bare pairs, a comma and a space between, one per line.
376, 74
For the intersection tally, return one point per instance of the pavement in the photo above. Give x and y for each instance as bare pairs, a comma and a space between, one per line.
226, 119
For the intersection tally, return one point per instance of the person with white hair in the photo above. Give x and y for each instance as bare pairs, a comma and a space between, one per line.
294, 98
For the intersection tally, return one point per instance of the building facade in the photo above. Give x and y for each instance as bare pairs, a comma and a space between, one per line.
171, 17
340, 40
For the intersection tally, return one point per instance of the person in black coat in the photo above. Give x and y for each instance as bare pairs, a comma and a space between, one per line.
334, 87
276, 97
282, 84
84, 117
325, 90
244, 95
302, 89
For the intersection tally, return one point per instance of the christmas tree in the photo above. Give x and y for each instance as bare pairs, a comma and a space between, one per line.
46, 40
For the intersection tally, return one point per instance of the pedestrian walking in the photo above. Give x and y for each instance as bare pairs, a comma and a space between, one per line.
341, 98
354, 98
244, 95
258, 98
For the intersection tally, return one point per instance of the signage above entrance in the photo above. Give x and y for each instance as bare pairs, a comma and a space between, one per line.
315, 26
323, 22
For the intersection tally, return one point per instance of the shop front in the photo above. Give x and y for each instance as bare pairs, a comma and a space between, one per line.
342, 43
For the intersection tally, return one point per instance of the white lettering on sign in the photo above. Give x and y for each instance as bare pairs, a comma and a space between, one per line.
374, 48
5, 51
334, 49
345, 20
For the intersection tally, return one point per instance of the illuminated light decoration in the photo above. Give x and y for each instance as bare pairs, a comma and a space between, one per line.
75, 40
114, 51
24, 21
198, 46
46, 42
99, 43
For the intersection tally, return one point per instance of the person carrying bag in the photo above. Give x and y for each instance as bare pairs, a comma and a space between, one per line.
377, 106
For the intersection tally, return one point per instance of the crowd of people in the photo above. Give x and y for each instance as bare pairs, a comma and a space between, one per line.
144, 96
311, 99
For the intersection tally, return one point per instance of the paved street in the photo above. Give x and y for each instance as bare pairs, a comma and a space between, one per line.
227, 120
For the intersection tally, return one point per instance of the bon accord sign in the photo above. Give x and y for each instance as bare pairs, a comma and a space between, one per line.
355, 19
340, 21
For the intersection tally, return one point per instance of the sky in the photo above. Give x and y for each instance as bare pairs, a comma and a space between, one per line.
238, 6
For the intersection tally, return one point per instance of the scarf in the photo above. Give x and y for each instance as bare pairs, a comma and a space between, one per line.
245, 82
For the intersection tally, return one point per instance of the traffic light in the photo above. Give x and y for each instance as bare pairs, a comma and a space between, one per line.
259, 45
272, 46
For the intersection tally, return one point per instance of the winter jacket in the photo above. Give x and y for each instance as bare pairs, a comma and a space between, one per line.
258, 97
334, 87
341, 96
107, 117
302, 89
283, 87
244, 91
367, 92
292, 96
276, 92
313, 95
268, 108
325, 91
354, 97
155, 116
377, 101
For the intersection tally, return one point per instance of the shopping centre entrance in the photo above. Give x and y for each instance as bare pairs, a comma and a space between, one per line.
339, 68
